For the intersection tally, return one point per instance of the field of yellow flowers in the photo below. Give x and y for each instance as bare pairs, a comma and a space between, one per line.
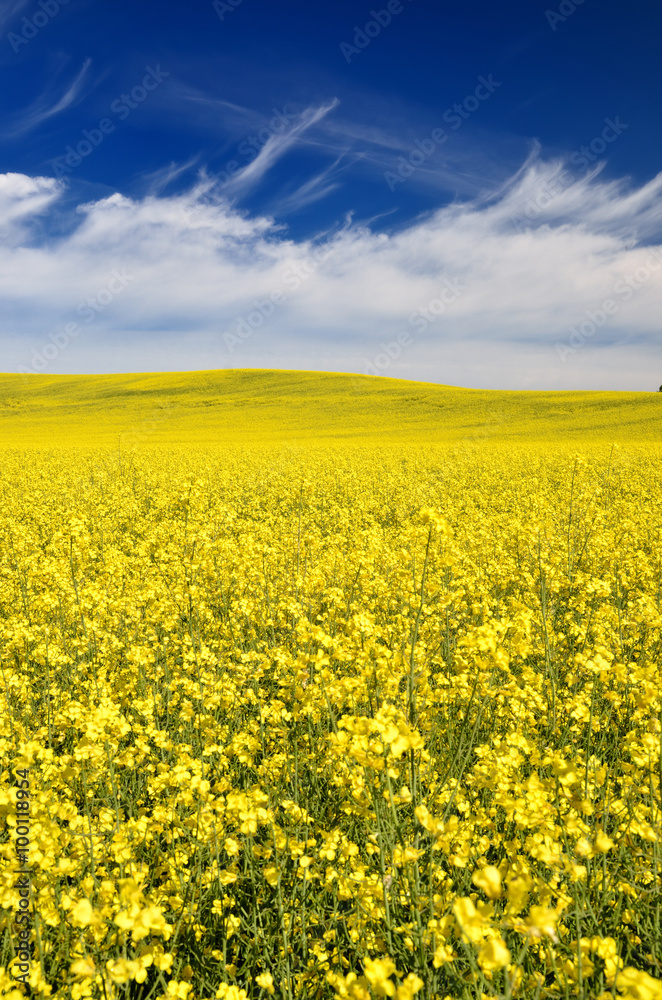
335, 719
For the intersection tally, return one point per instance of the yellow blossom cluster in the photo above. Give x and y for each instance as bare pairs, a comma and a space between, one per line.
330, 723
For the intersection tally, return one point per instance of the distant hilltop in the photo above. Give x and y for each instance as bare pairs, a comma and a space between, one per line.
253, 405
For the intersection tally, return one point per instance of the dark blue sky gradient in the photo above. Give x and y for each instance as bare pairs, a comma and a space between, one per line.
225, 78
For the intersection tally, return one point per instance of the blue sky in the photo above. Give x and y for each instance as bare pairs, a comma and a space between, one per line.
461, 194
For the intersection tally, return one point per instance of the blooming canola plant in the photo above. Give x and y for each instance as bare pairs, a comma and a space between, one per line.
344, 719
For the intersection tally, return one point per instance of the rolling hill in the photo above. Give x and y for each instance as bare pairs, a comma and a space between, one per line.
251, 405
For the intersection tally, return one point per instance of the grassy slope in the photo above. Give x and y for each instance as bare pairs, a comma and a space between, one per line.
252, 405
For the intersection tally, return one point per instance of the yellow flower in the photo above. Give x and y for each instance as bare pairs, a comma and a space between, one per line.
489, 880
443, 953
83, 914
83, 967
377, 972
470, 920
266, 981
227, 877
518, 893
349, 987
493, 954
636, 985
409, 987
583, 847
436, 519
163, 961
227, 992
188, 636
143, 921
603, 843
124, 971
541, 922
270, 873
178, 990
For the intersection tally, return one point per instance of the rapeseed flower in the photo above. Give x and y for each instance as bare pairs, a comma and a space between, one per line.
394, 732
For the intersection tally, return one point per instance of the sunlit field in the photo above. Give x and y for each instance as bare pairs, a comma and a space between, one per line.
326, 686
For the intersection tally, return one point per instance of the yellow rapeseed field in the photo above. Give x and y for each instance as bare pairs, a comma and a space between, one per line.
329, 687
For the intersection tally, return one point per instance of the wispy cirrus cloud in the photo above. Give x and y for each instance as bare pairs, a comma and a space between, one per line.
158, 180
276, 147
206, 114
323, 183
559, 198
46, 106
323, 131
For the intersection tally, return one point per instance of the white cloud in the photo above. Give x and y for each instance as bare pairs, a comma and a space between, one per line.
22, 200
197, 265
